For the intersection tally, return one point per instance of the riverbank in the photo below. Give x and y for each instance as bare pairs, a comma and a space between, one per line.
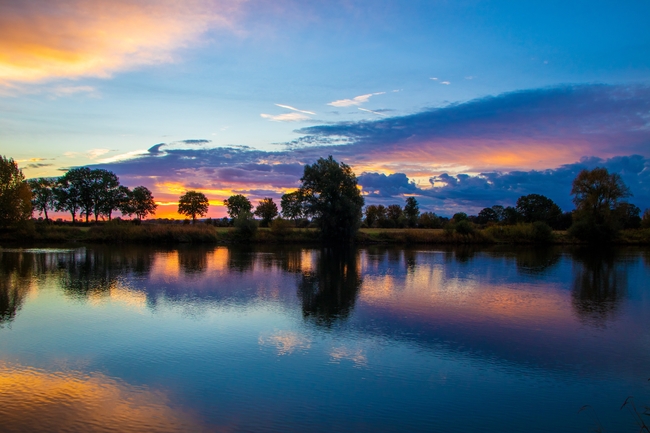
151, 233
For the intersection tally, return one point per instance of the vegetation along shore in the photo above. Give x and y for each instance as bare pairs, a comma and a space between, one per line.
327, 207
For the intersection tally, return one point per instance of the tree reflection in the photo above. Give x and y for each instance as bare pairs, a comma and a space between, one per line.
193, 260
240, 258
95, 271
537, 260
328, 292
15, 277
599, 285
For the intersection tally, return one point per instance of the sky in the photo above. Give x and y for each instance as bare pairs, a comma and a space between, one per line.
462, 104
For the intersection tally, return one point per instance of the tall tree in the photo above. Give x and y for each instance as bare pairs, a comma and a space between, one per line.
597, 195
74, 192
395, 215
412, 211
105, 192
193, 203
15, 194
597, 192
43, 195
267, 210
292, 206
237, 205
332, 197
372, 215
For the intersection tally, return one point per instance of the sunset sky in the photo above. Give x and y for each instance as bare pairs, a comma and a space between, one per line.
463, 104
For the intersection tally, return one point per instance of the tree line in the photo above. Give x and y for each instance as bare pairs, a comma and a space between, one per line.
82, 192
328, 198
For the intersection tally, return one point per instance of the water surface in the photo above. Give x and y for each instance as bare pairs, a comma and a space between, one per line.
296, 340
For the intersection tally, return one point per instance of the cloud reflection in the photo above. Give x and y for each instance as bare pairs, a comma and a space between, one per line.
37, 400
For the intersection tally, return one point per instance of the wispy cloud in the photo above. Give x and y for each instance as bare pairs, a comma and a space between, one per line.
285, 117
77, 38
357, 100
445, 83
89, 154
373, 112
289, 107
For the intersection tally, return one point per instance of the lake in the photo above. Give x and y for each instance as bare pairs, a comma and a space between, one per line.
226, 339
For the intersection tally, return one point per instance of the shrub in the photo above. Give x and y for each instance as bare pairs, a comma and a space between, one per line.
280, 227
245, 225
464, 227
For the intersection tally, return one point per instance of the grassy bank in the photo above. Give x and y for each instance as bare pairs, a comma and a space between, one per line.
203, 233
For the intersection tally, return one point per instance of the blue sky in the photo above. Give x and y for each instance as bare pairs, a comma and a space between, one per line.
420, 90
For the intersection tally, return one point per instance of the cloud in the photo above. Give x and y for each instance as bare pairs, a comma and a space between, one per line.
289, 107
38, 165
373, 112
89, 154
536, 128
445, 82
44, 40
357, 100
286, 117
382, 185
73, 90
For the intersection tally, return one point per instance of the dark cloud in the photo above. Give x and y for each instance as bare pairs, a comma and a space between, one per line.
607, 119
38, 165
381, 185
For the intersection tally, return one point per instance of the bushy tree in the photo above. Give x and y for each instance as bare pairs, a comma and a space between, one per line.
597, 193
487, 215
331, 196
70, 192
459, 216
43, 195
105, 192
412, 211
536, 207
429, 220
15, 194
237, 204
266, 210
292, 206
395, 215
628, 215
193, 203
139, 202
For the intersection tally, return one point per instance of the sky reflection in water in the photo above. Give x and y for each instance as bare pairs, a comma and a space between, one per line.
232, 339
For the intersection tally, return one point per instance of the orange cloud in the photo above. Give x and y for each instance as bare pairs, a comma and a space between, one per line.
42, 40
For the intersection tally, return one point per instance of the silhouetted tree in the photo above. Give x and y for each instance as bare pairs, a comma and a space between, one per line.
193, 203
429, 220
292, 207
395, 215
628, 215
15, 194
372, 215
266, 210
412, 211
237, 204
536, 207
43, 195
332, 197
139, 202
596, 195
487, 215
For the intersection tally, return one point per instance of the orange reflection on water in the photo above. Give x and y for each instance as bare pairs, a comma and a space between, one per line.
38, 400
428, 292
